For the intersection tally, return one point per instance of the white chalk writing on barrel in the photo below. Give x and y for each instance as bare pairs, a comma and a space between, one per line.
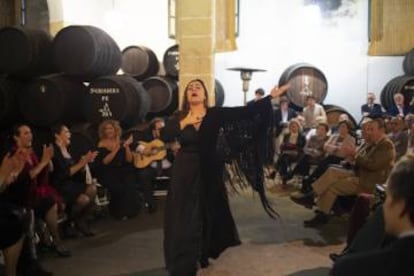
105, 111
105, 90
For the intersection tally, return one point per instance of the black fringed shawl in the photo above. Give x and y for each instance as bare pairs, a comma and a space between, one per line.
246, 146
242, 136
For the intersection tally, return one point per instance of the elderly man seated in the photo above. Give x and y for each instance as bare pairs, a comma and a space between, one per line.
372, 161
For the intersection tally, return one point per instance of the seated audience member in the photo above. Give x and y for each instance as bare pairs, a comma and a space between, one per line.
147, 175
283, 115
313, 113
387, 121
334, 152
12, 226
344, 117
313, 151
371, 108
290, 150
409, 124
46, 201
372, 163
396, 259
399, 108
411, 106
115, 171
69, 178
258, 94
398, 136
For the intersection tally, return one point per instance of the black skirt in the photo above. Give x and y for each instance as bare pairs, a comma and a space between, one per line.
12, 226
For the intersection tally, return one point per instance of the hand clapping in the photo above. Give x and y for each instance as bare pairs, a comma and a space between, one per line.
128, 141
89, 156
10, 168
348, 150
47, 153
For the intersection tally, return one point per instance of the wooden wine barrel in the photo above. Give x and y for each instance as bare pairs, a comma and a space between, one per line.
408, 63
219, 93
25, 52
402, 84
86, 52
163, 92
52, 99
139, 62
9, 108
305, 79
171, 61
84, 138
120, 98
334, 111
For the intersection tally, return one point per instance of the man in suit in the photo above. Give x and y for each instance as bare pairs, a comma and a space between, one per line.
258, 94
283, 115
371, 108
398, 209
372, 163
399, 108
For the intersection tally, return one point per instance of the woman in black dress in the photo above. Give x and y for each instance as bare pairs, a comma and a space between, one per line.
198, 221
115, 171
12, 226
69, 178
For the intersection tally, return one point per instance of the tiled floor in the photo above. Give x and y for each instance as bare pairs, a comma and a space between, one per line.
282, 247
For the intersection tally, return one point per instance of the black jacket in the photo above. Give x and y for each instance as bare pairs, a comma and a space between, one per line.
279, 125
398, 259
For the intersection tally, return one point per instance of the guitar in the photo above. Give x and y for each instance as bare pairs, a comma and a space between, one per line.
158, 151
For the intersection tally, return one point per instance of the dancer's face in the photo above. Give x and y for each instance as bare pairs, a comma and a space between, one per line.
195, 93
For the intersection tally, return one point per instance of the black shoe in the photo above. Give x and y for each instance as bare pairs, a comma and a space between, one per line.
318, 220
336, 256
284, 183
69, 231
62, 251
151, 207
306, 186
307, 200
34, 269
84, 229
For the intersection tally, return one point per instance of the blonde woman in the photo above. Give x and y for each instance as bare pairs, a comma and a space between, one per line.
115, 171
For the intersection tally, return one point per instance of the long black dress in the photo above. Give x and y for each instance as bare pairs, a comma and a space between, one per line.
69, 186
118, 177
198, 220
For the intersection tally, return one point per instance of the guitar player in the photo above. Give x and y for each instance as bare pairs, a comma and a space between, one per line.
147, 175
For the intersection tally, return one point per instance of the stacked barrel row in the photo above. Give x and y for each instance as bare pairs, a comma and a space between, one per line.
73, 79
401, 84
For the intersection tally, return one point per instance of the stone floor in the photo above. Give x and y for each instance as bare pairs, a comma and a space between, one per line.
270, 247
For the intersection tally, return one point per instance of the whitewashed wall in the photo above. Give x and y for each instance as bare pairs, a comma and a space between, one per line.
274, 34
